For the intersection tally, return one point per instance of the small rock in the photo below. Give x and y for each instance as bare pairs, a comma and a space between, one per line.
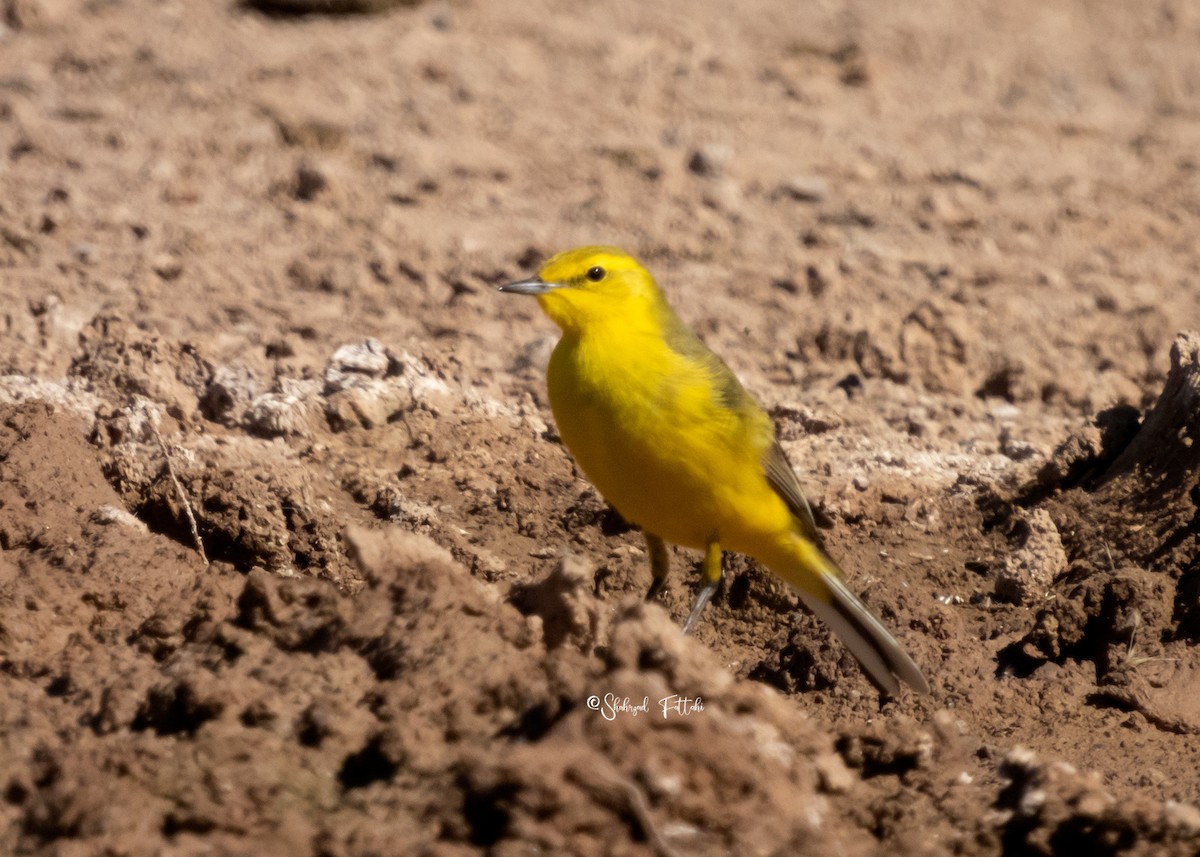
710, 160
109, 515
310, 132
279, 349
48, 307
803, 188
724, 196
231, 390
287, 411
818, 280
352, 364
167, 267
309, 183
1029, 571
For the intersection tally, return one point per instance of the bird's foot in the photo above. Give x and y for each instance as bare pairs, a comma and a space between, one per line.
702, 600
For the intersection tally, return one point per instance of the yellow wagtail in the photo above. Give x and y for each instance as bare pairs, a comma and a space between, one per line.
674, 442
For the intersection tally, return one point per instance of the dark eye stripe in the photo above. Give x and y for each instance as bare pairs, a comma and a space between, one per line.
596, 274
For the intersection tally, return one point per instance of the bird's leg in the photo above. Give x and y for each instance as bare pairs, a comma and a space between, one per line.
660, 563
712, 577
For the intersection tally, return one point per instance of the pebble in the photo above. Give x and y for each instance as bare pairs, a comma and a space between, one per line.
804, 188
167, 267
709, 160
309, 182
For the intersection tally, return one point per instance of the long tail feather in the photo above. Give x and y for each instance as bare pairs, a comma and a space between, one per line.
819, 582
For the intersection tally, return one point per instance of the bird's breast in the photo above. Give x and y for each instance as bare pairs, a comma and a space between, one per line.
648, 430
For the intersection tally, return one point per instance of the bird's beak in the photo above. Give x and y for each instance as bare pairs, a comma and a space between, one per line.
533, 286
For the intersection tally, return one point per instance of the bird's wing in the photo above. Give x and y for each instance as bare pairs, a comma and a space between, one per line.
783, 479
732, 396
728, 392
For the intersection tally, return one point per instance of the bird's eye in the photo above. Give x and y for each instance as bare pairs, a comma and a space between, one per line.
596, 274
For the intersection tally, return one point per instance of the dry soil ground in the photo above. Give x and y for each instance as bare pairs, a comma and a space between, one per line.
949, 245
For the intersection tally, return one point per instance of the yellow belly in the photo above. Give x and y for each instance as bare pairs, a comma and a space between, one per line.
653, 438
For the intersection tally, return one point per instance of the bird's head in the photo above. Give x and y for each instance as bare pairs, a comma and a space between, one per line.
591, 285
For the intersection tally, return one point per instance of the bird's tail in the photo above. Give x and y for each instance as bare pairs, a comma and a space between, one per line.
821, 586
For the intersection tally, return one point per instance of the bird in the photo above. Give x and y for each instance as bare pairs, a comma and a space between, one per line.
673, 441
